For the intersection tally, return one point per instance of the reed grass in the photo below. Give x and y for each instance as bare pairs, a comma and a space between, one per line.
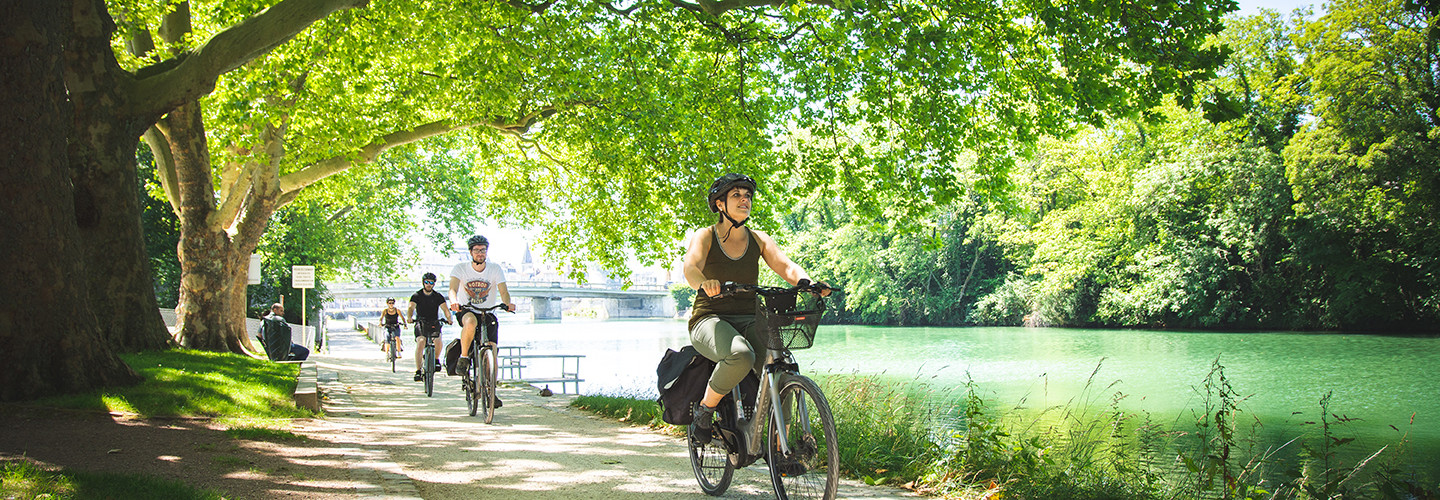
950, 442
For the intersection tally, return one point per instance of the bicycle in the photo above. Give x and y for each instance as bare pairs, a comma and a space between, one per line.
422, 327
802, 464
392, 334
478, 382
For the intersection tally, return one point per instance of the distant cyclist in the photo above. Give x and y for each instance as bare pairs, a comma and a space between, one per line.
723, 329
390, 317
480, 284
424, 312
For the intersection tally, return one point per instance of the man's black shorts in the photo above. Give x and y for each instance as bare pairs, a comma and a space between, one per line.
427, 328
489, 319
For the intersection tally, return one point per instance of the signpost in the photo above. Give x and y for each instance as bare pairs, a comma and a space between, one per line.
253, 277
302, 277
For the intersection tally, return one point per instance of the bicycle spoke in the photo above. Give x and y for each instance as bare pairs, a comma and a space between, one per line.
711, 464
807, 466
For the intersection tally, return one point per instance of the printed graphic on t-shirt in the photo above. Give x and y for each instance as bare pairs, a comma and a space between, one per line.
479, 290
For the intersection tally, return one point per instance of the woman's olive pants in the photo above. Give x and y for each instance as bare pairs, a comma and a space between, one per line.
727, 340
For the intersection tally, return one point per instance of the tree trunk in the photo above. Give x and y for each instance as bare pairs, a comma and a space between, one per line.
213, 263
51, 339
106, 186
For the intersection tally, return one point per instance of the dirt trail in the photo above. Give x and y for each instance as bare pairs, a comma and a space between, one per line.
537, 448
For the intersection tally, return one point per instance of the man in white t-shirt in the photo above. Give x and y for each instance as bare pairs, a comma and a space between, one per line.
480, 285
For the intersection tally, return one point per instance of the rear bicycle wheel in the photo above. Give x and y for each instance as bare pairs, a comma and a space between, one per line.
811, 468
711, 462
429, 369
488, 382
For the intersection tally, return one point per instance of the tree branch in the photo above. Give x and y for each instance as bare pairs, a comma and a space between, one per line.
237, 181
164, 165
534, 9
717, 7
193, 73
313, 173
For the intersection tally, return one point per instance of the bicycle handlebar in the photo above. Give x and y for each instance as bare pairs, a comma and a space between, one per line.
488, 309
730, 287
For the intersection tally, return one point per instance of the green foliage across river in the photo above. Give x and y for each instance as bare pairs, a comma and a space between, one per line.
1313, 205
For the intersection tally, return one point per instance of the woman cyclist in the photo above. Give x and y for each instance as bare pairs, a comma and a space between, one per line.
722, 329
390, 317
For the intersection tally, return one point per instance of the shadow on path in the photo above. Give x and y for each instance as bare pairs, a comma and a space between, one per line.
537, 448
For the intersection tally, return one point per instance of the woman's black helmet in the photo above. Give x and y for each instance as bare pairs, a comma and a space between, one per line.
727, 182
477, 240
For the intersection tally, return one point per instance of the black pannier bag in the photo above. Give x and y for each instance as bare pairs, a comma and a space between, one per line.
682, 377
452, 356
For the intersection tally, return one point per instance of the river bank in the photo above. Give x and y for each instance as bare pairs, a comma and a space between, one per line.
1033, 375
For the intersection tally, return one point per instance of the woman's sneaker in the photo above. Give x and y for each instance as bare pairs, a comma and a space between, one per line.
702, 423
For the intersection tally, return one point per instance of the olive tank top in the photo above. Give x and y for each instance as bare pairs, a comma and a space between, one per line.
718, 266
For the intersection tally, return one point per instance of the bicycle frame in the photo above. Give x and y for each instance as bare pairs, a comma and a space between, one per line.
777, 362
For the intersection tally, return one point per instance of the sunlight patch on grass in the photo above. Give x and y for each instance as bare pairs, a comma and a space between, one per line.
117, 404
194, 383
20, 479
24, 480
264, 434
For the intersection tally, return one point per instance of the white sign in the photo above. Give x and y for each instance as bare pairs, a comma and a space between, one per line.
254, 276
302, 276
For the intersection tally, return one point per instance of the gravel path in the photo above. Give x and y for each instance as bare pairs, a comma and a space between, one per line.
415, 446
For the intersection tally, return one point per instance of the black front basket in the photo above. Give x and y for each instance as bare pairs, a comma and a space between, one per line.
788, 321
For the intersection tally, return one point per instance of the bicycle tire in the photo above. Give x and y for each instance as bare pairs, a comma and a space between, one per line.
811, 469
392, 354
487, 367
429, 369
711, 463
472, 395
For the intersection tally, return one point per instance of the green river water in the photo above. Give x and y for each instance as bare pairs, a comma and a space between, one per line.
1383, 381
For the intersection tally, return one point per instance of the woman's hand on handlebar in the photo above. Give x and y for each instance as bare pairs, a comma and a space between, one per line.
824, 289
710, 287
818, 287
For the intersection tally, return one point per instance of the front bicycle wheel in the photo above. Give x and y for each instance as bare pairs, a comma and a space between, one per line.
488, 382
811, 466
429, 370
711, 462
392, 355
472, 383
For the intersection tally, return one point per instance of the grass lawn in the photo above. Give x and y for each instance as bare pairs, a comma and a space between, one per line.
25, 480
251, 396
185, 383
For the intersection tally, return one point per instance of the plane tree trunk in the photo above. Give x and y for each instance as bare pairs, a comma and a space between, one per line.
50, 332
